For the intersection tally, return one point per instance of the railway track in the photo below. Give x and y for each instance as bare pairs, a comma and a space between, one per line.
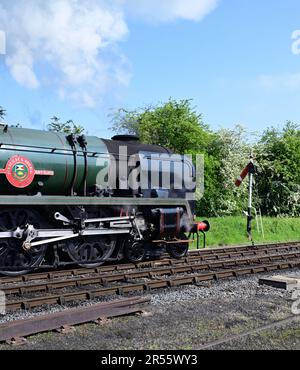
62, 287
190, 265
195, 255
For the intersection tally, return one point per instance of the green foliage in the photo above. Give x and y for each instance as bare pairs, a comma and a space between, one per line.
2, 112
225, 157
175, 125
68, 127
278, 184
127, 122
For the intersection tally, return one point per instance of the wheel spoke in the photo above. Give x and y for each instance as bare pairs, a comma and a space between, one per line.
14, 260
179, 250
134, 252
92, 251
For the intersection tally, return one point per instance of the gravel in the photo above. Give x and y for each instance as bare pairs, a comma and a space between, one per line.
185, 318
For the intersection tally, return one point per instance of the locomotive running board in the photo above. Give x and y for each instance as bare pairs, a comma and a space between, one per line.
68, 200
40, 200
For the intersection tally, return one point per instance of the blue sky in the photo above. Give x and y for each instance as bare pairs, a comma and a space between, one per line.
232, 57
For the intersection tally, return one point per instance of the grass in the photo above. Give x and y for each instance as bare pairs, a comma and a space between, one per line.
231, 230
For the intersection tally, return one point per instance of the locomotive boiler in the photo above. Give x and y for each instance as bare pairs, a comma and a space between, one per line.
84, 200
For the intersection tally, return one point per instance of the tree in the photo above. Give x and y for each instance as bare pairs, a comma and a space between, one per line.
68, 127
225, 157
175, 125
278, 183
2, 112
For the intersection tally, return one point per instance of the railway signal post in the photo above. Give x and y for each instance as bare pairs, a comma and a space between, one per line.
250, 217
250, 171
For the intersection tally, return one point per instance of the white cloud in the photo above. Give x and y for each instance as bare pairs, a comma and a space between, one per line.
73, 41
21, 66
170, 10
72, 46
2, 43
289, 81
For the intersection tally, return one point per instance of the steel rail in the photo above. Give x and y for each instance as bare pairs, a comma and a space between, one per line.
244, 247
104, 279
194, 256
175, 281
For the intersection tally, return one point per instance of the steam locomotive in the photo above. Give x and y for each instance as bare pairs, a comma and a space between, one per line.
72, 199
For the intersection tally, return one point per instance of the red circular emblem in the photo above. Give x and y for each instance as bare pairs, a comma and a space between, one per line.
19, 171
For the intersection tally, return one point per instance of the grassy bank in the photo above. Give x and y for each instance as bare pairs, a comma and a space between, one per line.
232, 231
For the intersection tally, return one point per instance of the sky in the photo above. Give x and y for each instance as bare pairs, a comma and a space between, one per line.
238, 60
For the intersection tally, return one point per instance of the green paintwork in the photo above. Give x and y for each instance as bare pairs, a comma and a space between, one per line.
60, 161
93, 201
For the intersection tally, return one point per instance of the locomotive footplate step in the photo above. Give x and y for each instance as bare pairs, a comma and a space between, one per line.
281, 282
